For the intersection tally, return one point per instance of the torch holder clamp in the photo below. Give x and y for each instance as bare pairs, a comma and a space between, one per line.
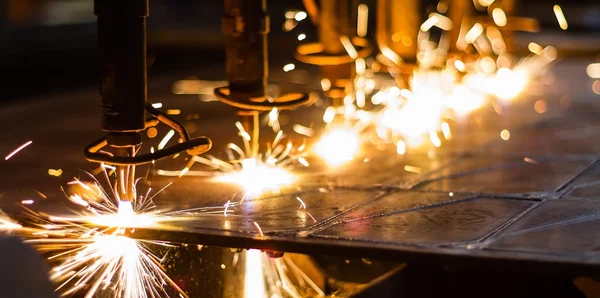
193, 146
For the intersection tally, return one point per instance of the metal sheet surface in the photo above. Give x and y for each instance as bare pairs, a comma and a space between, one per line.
530, 200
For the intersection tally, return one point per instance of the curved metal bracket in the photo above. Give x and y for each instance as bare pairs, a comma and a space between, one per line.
194, 146
312, 53
288, 101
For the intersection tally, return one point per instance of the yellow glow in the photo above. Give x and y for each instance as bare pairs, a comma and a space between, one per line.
430, 22
485, 3
474, 33
363, 18
391, 55
505, 134
338, 146
329, 115
301, 15
593, 70
413, 169
325, 84
499, 17
460, 66
254, 283
350, 49
257, 177
562, 21
435, 140
446, 131
7, 224
540, 106
55, 173
166, 139
289, 67
463, 100
508, 83
535, 48
420, 113
401, 147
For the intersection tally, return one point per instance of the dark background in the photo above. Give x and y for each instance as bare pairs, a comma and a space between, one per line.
49, 45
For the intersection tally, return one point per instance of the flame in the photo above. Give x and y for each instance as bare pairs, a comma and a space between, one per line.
257, 177
338, 146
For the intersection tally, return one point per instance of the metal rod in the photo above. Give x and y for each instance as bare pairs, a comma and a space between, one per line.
122, 63
246, 25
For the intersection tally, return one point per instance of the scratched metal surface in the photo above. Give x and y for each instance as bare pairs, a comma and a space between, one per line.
474, 199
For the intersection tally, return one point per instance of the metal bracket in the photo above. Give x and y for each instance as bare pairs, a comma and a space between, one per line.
193, 146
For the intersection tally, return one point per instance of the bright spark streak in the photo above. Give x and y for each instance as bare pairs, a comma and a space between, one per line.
300, 16
259, 229
349, 47
301, 36
362, 20
55, 173
499, 17
446, 131
535, 48
413, 169
531, 160
401, 147
302, 205
474, 33
593, 70
17, 150
7, 224
92, 251
27, 202
256, 172
254, 283
166, 139
562, 21
157, 105
429, 23
184, 171
289, 67
303, 130
435, 140
226, 207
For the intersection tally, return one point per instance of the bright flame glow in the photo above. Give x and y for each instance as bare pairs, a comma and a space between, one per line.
560, 17
257, 177
338, 146
254, 283
91, 251
508, 83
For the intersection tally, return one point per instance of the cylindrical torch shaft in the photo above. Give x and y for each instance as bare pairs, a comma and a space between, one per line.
246, 25
122, 63
126, 177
